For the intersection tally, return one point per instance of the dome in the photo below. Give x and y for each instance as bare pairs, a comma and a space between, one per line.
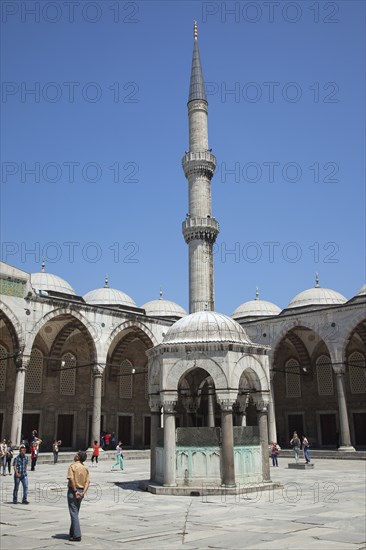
362, 291
205, 326
317, 297
108, 297
47, 281
256, 308
163, 308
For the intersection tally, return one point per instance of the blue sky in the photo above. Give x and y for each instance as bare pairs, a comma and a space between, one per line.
106, 128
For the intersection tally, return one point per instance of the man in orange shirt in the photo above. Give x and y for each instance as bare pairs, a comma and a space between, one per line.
78, 478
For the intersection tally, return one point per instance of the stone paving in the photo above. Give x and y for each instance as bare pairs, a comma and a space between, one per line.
317, 509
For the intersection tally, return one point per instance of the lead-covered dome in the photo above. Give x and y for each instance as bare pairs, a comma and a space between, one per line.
49, 282
108, 297
362, 291
256, 308
163, 308
317, 296
206, 326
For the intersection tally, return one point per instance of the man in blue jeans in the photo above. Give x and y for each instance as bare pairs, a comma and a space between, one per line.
78, 478
20, 464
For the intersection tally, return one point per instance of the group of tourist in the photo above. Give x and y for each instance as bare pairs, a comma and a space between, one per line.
119, 457
296, 444
108, 440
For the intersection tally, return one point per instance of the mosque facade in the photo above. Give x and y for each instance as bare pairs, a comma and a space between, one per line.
72, 366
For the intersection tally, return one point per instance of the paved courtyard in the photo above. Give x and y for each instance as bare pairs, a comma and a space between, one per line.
323, 508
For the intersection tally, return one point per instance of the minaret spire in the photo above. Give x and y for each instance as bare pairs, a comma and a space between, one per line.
200, 229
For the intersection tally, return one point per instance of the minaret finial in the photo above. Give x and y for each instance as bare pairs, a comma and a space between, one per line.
317, 280
106, 282
161, 294
256, 293
43, 265
195, 30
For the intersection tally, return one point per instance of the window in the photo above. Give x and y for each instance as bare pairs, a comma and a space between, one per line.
33, 374
324, 374
68, 375
125, 379
357, 372
293, 382
3, 364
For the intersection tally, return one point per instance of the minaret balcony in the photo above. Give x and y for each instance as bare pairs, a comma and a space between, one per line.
205, 229
200, 162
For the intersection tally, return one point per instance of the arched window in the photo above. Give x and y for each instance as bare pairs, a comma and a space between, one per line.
33, 374
68, 375
3, 364
293, 382
125, 379
92, 383
324, 373
357, 372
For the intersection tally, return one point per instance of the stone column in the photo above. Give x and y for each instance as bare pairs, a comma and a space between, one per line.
16, 422
227, 448
155, 425
97, 406
263, 439
211, 406
272, 432
169, 444
345, 435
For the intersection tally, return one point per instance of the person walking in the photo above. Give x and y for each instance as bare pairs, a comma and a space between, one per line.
78, 484
296, 443
95, 454
9, 455
20, 464
119, 457
274, 453
55, 449
305, 448
34, 453
107, 440
3, 453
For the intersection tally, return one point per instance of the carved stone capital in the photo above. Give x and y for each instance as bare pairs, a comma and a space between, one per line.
339, 369
155, 403
226, 405
169, 407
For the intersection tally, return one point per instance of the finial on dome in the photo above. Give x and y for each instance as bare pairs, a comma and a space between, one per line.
106, 282
256, 293
195, 30
317, 280
43, 265
160, 294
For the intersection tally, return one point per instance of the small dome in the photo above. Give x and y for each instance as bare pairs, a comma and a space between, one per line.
317, 297
47, 281
108, 297
256, 308
206, 326
362, 291
163, 308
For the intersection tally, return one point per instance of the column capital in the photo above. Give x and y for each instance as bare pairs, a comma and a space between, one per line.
97, 371
226, 405
155, 403
261, 401
169, 407
339, 369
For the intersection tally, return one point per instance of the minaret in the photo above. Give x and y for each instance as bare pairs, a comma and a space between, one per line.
200, 229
